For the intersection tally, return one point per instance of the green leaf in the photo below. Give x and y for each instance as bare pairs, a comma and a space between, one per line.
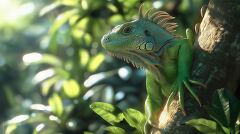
205, 126
135, 119
39, 117
38, 58
55, 102
92, 4
60, 72
225, 108
59, 21
40, 108
18, 119
95, 62
10, 129
71, 88
108, 112
43, 75
116, 19
112, 7
128, 3
82, 24
84, 57
69, 2
234, 107
51, 59
185, 5
97, 27
49, 8
47, 84
115, 130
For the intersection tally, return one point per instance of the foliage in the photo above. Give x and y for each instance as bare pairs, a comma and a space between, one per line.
224, 110
115, 116
52, 65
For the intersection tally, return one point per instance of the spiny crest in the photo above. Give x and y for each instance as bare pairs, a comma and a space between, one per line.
161, 18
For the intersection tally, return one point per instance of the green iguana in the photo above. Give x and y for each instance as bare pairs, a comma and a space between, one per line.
149, 43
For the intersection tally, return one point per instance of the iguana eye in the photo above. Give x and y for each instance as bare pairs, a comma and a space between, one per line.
127, 30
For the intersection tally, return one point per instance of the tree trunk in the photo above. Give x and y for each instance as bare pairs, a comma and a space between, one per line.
216, 63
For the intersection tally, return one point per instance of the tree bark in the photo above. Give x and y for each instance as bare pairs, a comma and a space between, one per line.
216, 63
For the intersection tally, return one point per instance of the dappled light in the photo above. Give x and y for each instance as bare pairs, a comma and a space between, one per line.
40, 127
31, 57
93, 79
12, 11
52, 60
42, 75
40, 107
125, 73
18, 119
55, 76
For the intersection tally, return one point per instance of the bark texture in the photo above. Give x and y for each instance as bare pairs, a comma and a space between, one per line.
216, 63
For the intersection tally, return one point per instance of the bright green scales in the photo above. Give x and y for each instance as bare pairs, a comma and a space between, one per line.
149, 42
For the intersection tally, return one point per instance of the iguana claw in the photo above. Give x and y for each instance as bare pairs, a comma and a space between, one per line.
197, 83
178, 88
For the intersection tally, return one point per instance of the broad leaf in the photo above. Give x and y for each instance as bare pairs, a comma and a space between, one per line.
62, 19
38, 58
58, 23
10, 129
225, 108
55, 103
40, 108
69, 2
135, 119
84, 57
47, 84
115, 130
18, 119
43, 75
49, 8
95, 62
205, 126
71, 88
107, 111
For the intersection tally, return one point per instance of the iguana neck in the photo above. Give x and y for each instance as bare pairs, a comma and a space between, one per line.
156, 70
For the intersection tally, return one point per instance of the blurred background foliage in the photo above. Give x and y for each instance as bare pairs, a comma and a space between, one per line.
52, 66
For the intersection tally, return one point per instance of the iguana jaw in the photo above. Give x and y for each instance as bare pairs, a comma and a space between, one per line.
139, 60
149, 62
128, 57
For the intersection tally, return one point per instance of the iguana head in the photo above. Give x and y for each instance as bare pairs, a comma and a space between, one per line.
141, 41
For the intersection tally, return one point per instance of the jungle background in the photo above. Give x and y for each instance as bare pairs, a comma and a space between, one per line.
52, 65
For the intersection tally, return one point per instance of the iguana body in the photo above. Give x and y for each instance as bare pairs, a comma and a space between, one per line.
149, 42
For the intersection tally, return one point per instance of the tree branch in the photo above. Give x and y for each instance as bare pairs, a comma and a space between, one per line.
216, 62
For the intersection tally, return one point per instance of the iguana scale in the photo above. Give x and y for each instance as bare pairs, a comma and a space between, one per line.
149, 42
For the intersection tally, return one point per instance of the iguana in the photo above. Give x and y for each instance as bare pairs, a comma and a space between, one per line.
149, 42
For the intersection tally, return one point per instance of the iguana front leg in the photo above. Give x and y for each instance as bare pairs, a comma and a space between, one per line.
184, 62
153, 103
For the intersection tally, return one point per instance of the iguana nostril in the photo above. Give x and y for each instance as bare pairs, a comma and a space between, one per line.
107, 39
